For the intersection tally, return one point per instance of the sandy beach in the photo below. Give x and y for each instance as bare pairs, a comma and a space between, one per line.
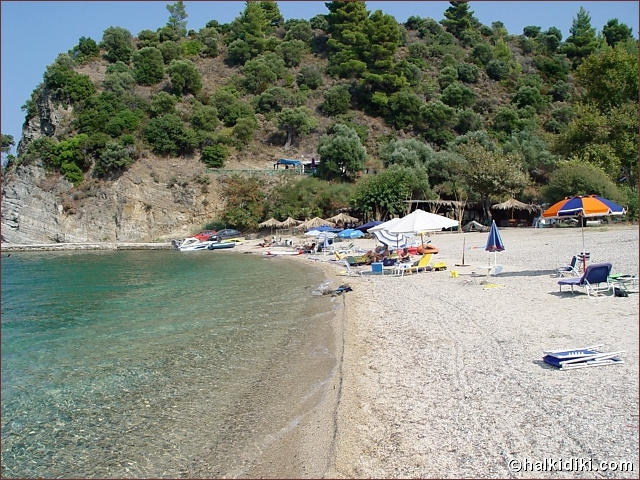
442, 377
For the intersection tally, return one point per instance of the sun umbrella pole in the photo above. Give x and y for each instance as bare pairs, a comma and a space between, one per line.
584, 256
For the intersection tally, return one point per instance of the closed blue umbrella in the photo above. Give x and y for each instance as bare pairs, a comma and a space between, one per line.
494, 243
368, 225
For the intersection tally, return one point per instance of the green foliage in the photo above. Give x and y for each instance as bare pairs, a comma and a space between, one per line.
337, 100
177, 18
162, 103
191, 48
125, 121
72, 172
245, 202
468, 121
447, 76
342, 154
579, 178
244, 129
531, 31
262, 72
272, 15
7, 143
482, 53
549, 41
458, 18
345, 23
148, 67
458, 95
119, 83
382, 195
170, 51
468, 73
529, 96
406, 152
214, 156
560, 91
185, 78
247, 34
209, 38
167, 135
296, 121
298, 30
117, 41
148, 38
498, 69
437, 119
291, 52
229, 107
535, 154
319, 22
383, 39
204, 117
86, 50
615, 32
553, 67
65, 84
43, 148
309, 76
403, 109
609, 78
273, 99
113, 159
582, 41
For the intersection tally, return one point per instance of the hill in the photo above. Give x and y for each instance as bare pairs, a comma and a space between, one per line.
136, 138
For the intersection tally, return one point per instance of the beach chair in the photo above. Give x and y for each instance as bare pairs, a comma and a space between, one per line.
567, 359
595, 275
350, 272
422, 264
569, 269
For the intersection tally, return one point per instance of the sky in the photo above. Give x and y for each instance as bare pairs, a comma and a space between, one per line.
33, 33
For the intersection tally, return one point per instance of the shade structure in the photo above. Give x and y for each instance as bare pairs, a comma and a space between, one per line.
366, 226
420, 221
271, 223
315, 222
494, 241
583, 206
350, 233
290, 222
512, 204
342, 218
382, 233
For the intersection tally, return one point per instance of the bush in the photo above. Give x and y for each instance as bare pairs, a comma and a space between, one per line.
113, 159
298, 30
309, 76
468, 72
482, 53
560, 91
204, 117
342, 154
72, 173
117, 42
185, 78
497, 69
337, 100
468, 121
209, 38
148, 66
576, 177
437, 119
119, 83
86, 49
529, 96
458, 95
263, 71
273, 99
214, 156
162, 103
554, 67
125, 121
191, 48
170, 51
167, 135
291, 52
403, 109
407, 152
148, 38
447, 76
244, 129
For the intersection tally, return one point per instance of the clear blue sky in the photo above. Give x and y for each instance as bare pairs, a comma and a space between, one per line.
34, 33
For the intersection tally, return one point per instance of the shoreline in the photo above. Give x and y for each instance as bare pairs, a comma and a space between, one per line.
442, 377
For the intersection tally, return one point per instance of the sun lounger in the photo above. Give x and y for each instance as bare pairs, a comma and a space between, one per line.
595, 275
568, 359
569, 269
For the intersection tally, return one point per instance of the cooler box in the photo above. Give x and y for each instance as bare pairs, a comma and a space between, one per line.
376, 267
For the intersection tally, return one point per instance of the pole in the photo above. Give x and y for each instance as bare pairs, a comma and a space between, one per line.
584, 257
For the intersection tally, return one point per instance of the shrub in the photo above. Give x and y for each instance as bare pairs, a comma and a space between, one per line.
113, 159
291, 52
214, 156
191, 48
148, 38
576, 177
167, 135
337, 100
447, 76
482, 53
273, 99
72, 173
342, 154
468, 72
560, 91
119, 83
185, 78
529, 96
162, 103
403, 109
437, 119
117, 42
407, 152
458, 95
170, 51
309, 76
263, 71
468, 121
298, 30
554, 67
86, 49
125, 121
209, 38
204, 117
244, 129
497, 69
148, 67
418, 50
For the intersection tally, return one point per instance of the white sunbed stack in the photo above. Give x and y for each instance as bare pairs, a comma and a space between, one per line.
591, 356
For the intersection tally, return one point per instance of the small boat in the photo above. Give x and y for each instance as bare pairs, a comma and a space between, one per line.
219, 245
275, 253
192, 244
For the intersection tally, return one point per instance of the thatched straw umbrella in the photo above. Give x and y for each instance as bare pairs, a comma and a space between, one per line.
271, 223
289, 222
342, 218
315, 222
513, 204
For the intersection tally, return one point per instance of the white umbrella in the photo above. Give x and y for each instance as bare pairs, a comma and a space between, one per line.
383, 234
419, 222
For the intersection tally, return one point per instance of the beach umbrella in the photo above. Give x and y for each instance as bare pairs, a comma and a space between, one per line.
290, 222
420, 222
315, 222
494, 242
383, 234
350, 233
271, 223
366, 226
583, 206
342, 218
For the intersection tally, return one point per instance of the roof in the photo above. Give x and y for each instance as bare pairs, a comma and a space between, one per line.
286, 161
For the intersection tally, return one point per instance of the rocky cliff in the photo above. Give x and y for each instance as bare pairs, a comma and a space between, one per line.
149, 202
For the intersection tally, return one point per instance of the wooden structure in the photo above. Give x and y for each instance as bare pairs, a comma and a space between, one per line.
513, 213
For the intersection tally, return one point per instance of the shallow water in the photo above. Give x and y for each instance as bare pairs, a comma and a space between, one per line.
155, 363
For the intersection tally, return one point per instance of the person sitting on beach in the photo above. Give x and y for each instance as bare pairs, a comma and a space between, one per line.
403, 255
264, 243
382, 255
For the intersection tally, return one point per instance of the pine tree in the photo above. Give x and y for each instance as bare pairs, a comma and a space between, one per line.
345, 24
178, 18
582, 40
458, 18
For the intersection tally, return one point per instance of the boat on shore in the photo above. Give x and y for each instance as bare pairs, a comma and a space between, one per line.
192, 244
220, 245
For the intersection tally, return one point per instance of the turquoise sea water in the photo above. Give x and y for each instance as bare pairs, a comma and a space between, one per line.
155, 363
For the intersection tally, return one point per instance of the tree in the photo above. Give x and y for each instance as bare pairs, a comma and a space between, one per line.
309, 76
113, 159
291, 52
615, 32
458, 18
296, 121
342, 155
247, 34
337, 100
185, 78
204, 117
214, 155
345, 24
7, 144
531, 31
436, 121
117, 41
162, 103
406, 152
148, 66
298, 30
458, 95
582, 40
178, 18
384, 194
86, 49
403, 110
262, 72
490, 173
148, 38
168, 136
575, 177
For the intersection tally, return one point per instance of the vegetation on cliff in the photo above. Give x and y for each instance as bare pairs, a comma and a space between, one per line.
452, 109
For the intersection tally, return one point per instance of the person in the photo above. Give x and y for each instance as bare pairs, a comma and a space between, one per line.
313, 164
404, 255
379, 256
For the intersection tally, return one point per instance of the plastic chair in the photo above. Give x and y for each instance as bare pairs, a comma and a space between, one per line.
571, 268
591, 279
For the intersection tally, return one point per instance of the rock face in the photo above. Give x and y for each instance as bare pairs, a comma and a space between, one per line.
156, 199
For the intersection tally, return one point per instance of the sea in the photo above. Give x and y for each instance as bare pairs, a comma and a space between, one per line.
156, 363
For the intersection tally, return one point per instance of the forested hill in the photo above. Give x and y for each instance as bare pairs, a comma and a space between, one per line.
449, 109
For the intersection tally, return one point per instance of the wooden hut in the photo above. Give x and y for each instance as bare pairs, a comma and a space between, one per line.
514, 213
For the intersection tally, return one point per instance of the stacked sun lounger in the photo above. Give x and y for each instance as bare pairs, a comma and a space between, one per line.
581, 357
